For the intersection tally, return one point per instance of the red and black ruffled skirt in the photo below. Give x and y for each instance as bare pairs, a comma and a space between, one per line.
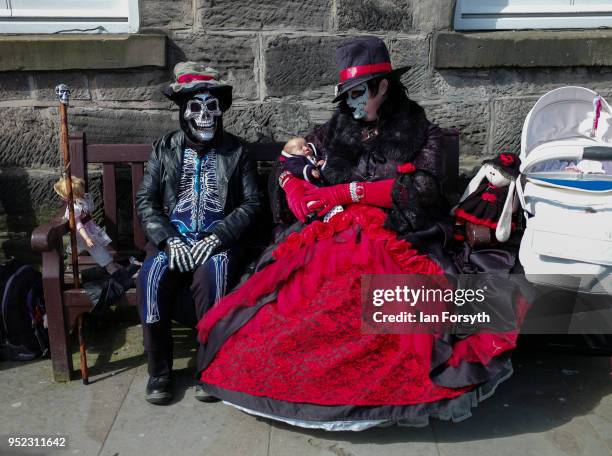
287, 344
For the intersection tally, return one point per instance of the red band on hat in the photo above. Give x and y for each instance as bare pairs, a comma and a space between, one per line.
361, 70
187, 78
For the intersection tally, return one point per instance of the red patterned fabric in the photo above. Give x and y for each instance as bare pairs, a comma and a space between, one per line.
306, 345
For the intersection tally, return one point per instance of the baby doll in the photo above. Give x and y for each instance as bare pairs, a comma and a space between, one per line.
90, 236
300, 159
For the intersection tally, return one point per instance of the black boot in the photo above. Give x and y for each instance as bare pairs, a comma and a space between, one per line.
159, 390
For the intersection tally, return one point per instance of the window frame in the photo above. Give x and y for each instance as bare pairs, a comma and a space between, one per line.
525, 15
55, 24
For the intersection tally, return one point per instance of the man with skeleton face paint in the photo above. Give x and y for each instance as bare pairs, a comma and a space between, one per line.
198, 196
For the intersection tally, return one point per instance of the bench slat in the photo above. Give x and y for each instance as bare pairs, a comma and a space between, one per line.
118, 153
77, 157
137, 174
110, 199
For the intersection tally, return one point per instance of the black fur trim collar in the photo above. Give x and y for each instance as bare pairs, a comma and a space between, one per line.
400, 138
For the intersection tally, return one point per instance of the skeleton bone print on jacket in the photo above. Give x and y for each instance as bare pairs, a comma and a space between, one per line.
198, 210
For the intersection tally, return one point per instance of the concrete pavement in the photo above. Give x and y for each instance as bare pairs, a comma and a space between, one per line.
555, 404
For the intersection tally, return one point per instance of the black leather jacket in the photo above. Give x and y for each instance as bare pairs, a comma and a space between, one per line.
158, 193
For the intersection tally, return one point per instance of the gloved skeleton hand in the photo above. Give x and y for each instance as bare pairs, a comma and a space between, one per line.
179, 255
202, 250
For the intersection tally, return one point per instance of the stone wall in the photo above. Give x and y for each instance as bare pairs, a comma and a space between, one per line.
279, 55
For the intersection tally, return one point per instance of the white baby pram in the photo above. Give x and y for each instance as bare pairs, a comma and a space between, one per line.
565, 191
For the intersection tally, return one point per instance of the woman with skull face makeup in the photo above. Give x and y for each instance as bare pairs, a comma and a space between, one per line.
288, 344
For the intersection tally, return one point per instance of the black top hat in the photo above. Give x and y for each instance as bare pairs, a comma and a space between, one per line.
507, 163
360, 60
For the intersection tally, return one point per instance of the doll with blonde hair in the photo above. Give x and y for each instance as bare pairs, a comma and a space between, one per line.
90, 236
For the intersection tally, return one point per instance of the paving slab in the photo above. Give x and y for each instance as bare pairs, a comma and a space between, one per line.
540, 411
556, 404
31, 404
187, 425
289, 441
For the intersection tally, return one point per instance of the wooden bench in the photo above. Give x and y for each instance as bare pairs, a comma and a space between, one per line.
65, 303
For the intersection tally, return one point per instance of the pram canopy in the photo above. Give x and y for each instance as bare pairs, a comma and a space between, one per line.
565, 113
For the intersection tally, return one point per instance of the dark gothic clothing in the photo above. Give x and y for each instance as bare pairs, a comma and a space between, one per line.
236, 181
198, 210
288, 344
406, 137
189, 194
179, 297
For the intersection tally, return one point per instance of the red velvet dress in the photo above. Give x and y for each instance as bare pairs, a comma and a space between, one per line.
287, 343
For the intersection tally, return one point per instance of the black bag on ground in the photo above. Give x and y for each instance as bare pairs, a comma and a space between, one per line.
23, 332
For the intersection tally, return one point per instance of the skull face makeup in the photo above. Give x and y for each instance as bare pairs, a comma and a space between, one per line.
202, 115
357, 98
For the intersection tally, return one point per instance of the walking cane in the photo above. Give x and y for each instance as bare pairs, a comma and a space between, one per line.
63, 93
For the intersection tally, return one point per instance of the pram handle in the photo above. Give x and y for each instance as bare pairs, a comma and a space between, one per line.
597, 153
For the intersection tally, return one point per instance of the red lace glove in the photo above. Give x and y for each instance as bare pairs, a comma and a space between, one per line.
372, 193
295, 190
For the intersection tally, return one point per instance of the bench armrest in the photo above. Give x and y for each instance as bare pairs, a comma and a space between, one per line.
48, 237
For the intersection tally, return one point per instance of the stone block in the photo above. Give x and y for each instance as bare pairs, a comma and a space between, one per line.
268, 122
508, 118
46, 81
296, 65
29, 137
471, 118
103, 125
14, 86
374, 15
65, 52
27, 200
413, 52
131, 85
525, 49
267, 14
233, 56
166, 14
506, 82
433, 15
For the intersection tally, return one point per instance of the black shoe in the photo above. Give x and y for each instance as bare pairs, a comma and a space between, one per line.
159, 390
202, 396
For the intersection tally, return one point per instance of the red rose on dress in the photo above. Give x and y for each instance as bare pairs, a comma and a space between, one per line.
293, 242
406, 168
308, 235
340, 221
280, 251
507, 159
322, 230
